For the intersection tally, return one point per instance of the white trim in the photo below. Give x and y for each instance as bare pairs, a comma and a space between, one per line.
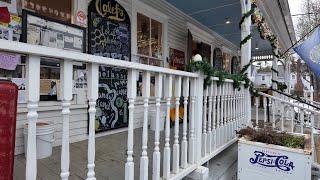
199, 34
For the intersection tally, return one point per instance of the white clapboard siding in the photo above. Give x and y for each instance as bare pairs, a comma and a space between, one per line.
178, 29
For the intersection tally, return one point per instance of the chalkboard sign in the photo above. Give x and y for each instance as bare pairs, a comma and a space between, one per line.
109, 36
109, 30
112, 104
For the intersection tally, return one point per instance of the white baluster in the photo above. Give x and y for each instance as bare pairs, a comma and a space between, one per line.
214, 115
93, 80
193, 92
233, 119
166, 153
292, 119
244, 109
144, 156
238, 106
273, 114
301, 120
224, 107
184, 143
312, 135
156, 153
209, 143
257, 111
66, 75
176, 145
33, 87
219, 116
264, 110
282, 116
204, 122
132, 93
229, 112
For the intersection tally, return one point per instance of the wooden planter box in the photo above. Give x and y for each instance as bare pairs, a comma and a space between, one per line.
260, 161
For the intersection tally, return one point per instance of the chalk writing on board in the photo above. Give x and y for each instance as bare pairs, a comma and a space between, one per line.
109, 36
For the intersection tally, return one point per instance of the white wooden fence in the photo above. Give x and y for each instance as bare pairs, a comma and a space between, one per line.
214, 113
289, 116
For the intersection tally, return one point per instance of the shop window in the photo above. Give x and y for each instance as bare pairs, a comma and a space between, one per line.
49, 80
149, 40
203, 49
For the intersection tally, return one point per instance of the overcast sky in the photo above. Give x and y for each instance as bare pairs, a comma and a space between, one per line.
295, 8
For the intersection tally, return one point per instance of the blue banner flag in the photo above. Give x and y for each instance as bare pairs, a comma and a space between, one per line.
309, 51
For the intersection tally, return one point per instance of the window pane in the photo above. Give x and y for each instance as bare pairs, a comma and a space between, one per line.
156, 39
143, 34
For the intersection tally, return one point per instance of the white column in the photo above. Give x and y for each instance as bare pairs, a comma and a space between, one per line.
246, 53
33, 94
156, 152
93, 80
166, 152
184, 143
66, 74
144, 156
176, 146
132, 93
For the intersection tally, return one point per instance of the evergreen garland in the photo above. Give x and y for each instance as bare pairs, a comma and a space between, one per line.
245, 40
210, 72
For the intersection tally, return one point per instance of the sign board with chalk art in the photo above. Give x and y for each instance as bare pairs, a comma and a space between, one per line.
109, 36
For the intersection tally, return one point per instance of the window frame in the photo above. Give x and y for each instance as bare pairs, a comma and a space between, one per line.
151, 13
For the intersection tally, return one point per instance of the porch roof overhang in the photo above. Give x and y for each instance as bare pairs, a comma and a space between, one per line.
214, 14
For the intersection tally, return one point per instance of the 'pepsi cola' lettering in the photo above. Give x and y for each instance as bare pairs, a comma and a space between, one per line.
281, 162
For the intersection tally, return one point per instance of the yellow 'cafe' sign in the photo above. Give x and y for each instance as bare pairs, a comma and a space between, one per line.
114, 12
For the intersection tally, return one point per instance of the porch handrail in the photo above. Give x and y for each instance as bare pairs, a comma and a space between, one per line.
289, 103
295, 98
38, 50
215, 112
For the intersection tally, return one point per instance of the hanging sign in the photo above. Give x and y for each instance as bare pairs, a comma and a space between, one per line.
109, 36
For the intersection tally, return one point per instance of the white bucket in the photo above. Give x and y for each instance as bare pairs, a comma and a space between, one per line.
44, 134
161, 123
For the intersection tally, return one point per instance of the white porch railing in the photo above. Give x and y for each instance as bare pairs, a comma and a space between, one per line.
289, 116
214, 113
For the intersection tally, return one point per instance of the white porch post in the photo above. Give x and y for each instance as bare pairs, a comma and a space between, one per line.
33, 89
93, 80
132, 87
246, 53
198, 116
66, 90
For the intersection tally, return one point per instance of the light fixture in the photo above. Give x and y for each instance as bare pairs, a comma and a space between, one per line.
228, 21
197, 58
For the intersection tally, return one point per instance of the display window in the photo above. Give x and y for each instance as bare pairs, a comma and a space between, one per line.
149, 40
201, 48
226, 62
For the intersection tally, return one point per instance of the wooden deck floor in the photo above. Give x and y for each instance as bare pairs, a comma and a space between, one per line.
110, 158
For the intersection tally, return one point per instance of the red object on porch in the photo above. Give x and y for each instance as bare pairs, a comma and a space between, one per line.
8, 112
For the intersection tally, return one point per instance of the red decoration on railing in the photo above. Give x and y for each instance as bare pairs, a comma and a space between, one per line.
8, 112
